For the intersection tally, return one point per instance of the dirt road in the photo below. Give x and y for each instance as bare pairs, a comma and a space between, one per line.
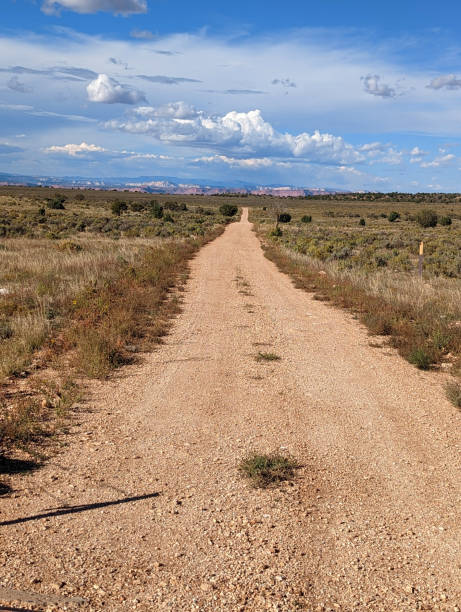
372, 521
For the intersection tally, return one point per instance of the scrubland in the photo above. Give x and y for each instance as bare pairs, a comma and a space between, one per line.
363, 256
87, 280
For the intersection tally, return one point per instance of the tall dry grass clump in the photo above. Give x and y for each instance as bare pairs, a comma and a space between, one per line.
38, 280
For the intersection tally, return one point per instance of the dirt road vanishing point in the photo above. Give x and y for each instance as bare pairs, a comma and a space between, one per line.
146, 510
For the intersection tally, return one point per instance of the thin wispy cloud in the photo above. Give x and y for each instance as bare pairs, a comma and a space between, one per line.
16, 85
6, 149
244, 92
166, 80
142, 34
439, 161
118, 62
287, 83
26, 109
73, 72
118, 7
447, 81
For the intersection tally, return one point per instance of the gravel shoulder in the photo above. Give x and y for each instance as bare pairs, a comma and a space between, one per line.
146, 510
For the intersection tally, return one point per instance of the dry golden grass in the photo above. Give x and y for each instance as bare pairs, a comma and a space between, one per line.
38, 280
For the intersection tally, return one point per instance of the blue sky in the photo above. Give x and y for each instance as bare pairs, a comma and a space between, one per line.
357, 95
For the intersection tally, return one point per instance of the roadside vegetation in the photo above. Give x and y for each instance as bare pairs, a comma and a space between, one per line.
85, 284
371, 268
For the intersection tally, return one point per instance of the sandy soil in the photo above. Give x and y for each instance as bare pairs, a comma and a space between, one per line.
146, 509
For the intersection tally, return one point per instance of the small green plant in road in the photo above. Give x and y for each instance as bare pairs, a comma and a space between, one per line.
267, 357
453, 391
266, 470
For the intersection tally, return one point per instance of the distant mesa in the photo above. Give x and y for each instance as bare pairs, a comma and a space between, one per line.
171, 185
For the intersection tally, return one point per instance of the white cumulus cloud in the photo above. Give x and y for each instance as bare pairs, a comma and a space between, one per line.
447, 81
438, 161
119, 7
242, 132
74, 150
417, 151
250, 162
109, 91
372, 85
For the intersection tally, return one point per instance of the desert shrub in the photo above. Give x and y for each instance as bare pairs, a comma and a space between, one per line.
6, 330
453, 391
168, 218
97, 353
426, 218
393, 216
56, 203
379, 323
228, 210
420, 357
21, 424
171, 206
118, 208
70, 245
284, 217
276, 232
362, 221
155, 209
381, 262
266, 470
445, 221
306, 219
137, 206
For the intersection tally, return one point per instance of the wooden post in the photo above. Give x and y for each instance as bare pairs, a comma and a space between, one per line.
421, 260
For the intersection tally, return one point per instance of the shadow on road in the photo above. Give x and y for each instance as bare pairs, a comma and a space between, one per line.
16, 609
16, 466
75, 509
